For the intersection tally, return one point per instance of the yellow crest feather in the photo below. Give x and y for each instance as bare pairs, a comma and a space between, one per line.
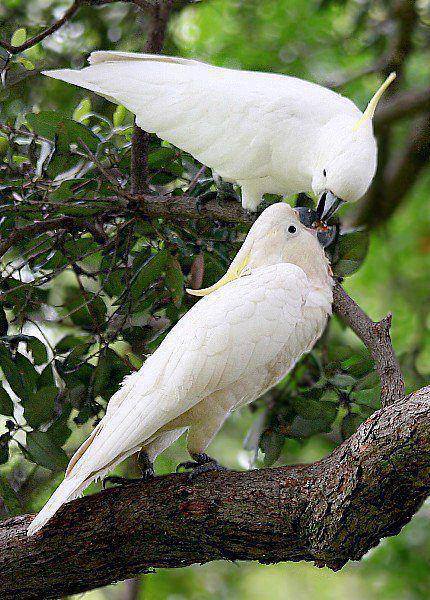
371, 107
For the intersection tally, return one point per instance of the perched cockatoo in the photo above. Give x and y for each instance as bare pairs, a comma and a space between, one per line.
239, 340
268, 133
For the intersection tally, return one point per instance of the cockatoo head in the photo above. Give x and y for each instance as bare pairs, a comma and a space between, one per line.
277, 236
346, 158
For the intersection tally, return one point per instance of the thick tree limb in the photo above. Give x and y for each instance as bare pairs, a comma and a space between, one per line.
329, 512
173, 208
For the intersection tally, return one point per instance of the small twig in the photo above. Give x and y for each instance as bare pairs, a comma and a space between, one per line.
25, 232
108, 176
46, 32
194, 181
376, 337
68, 15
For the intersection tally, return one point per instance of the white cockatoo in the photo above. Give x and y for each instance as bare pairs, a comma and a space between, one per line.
269, 133
239, 340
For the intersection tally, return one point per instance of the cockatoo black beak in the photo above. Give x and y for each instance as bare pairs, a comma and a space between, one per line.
328, 205
309, 218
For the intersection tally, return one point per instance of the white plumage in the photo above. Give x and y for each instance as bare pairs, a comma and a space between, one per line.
269, 133
234, 344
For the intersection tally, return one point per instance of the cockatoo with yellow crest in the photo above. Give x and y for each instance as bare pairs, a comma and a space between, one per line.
268, 133
239, 340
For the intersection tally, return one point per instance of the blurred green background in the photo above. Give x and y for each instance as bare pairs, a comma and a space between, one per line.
329, 42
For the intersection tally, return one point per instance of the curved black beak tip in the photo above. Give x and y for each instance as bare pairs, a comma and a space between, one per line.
326, 234
328, 204
307, 216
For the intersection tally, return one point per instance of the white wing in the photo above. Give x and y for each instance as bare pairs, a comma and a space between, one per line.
225, 338
228, 119
233, 331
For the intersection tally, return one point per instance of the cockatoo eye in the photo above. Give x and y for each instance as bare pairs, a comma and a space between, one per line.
325, 173
292, 229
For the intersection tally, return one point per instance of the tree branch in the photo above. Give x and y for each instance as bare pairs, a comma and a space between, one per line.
329, 512
376, 337
400, 174
68, 15
70, 12
141, 139
405, 104
172, 208
372, 210
23, 233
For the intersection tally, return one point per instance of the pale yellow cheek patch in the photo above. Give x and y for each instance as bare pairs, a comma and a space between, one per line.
232, 274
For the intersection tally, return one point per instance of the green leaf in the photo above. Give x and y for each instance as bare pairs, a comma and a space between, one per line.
6, 404
42, 450
101, 375
303, 428
27, 64
19, 37
69, 342
271, 444
341, 380
114, 284
89, 312
11, 372
59, 431
9, 497
307, 408
322, 413
33, 345
39, 408
28, 373
3, 322
350, 423
77, 395
46, 378
51, 123
147, 274
160, 157
351, 250
4, 447
368, 382
4, 145
175, 279
358, 365
37, 349
119, 115
81, 112
368, 398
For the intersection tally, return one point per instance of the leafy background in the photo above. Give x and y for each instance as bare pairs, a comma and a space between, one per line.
82, 307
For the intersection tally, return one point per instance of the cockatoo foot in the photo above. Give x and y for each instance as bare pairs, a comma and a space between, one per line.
117, 480
202, 463
147, 474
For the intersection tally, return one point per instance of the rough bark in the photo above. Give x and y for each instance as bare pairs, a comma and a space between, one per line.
329, 512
